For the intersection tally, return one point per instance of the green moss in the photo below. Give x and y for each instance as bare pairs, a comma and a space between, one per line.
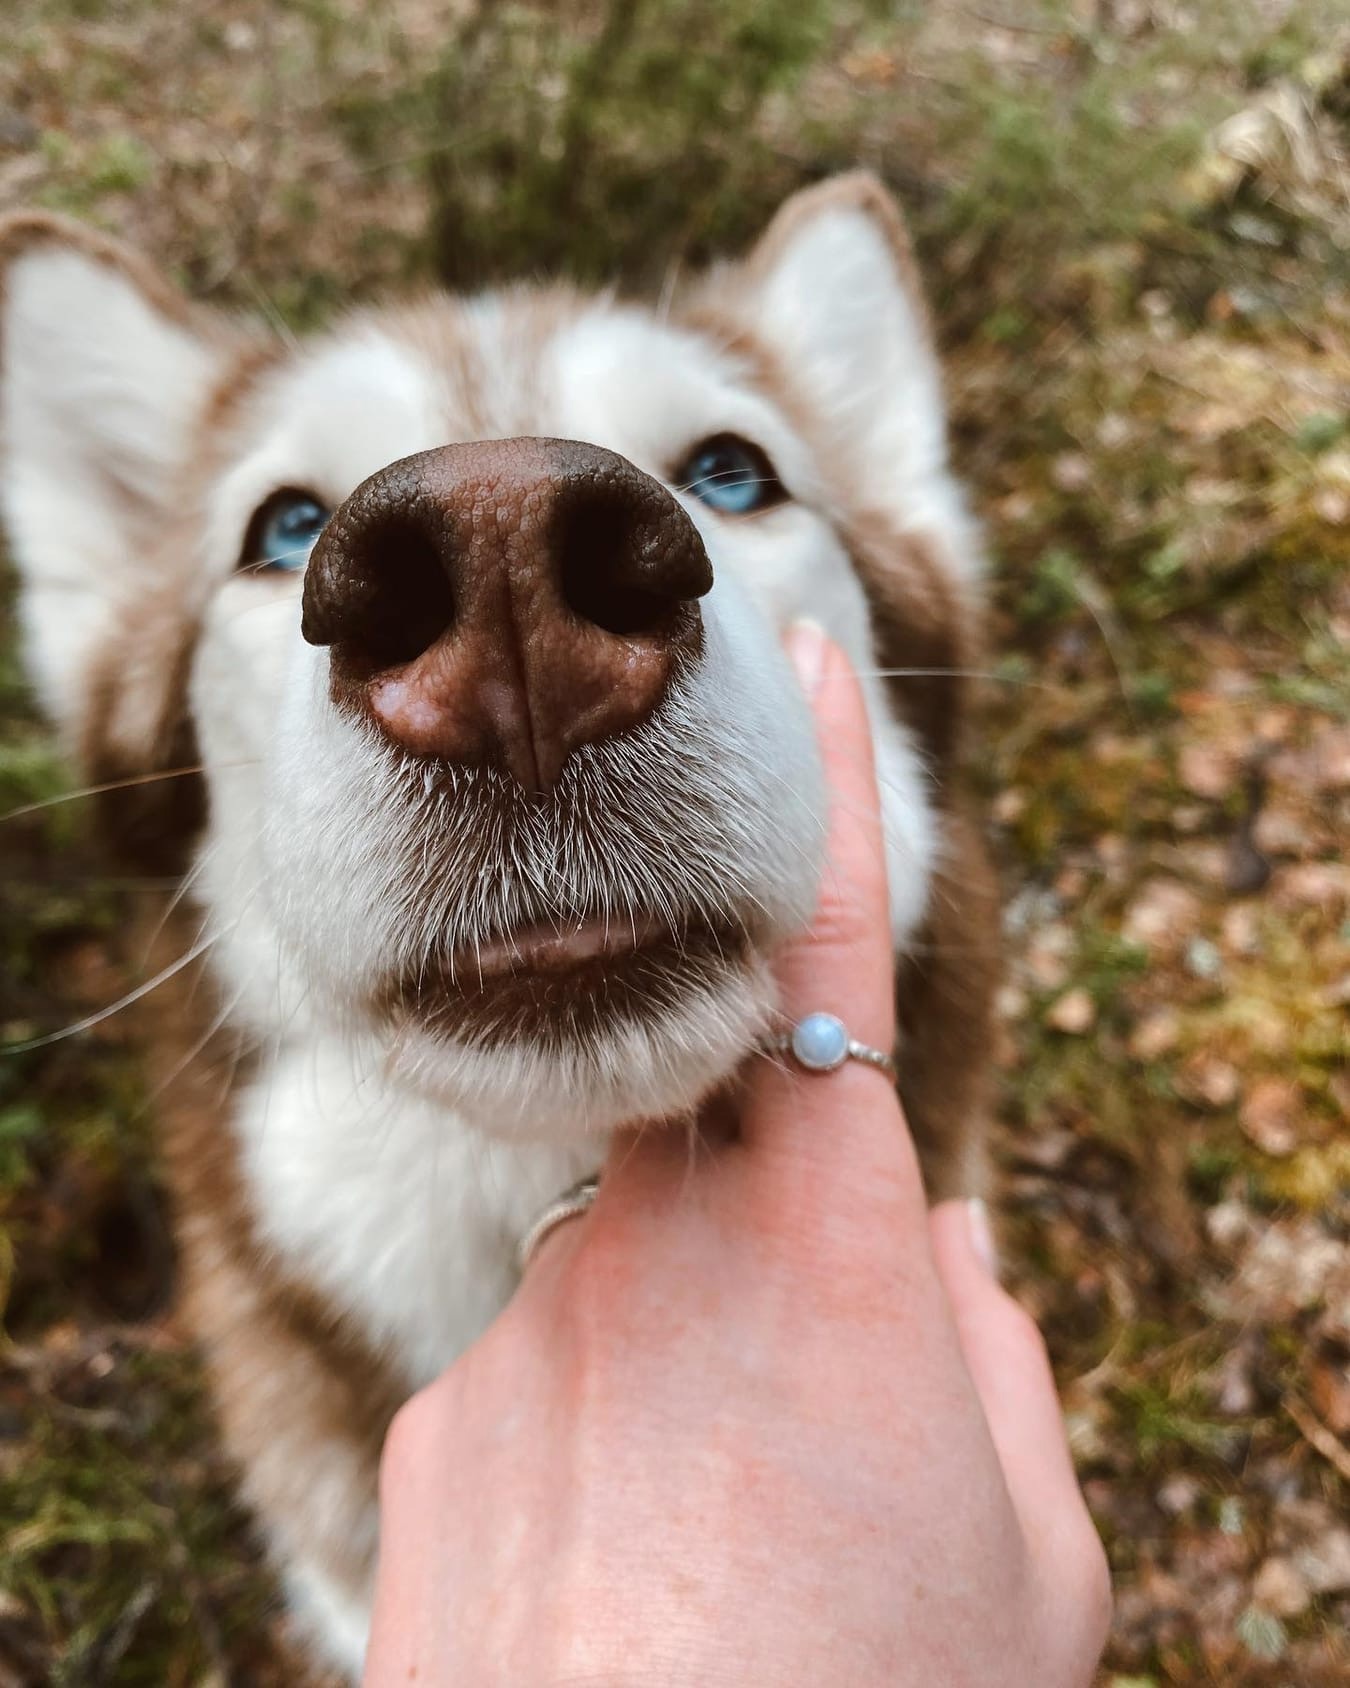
1162, 1421
21, 1127
112, 1499
1313, 1178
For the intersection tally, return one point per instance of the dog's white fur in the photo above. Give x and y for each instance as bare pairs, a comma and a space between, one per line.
395, 1171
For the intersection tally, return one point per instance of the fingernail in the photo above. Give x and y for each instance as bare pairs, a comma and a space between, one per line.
806, 645
982, 1235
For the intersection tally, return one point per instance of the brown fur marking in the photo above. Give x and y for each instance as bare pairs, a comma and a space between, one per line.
289, 1375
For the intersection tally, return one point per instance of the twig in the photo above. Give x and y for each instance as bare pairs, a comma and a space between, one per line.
1011, 28
119, 1639
1316, 1434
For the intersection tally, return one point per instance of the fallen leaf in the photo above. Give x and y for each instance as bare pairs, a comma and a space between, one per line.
1071, 471
1156, 1034
1047, 956
1179, 1493
1262, 1634
1239, 929
1204, 959
1331, 755
1009, 806
1274, 725
1270, 1115
1324, 1564
1208, 1080
1281, 1588
1280, 830
1209, 770
1162, 915
1292, 1266
1074, 1012
1329, 1388
1324, 885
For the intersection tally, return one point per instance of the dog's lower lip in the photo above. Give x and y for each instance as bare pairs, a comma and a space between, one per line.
546, 948
566, 981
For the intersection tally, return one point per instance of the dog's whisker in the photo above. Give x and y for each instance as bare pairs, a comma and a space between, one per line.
106, 786
123, 1002
962, 674
733, 477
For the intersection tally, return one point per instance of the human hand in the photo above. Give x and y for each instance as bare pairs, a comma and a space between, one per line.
757, 1418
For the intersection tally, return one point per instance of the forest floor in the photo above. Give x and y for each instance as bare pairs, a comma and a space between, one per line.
1135, 220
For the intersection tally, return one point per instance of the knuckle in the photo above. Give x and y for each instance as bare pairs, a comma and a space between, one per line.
841, 926
405, 1443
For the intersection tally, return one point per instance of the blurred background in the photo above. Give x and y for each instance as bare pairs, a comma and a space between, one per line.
1134, 218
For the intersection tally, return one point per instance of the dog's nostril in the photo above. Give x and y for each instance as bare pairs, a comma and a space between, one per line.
621, 565
410, 601
594, 545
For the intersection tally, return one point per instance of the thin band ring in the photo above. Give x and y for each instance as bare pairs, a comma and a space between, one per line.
570, 1205
820, 1043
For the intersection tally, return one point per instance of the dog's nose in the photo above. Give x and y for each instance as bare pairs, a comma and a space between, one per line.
507, 601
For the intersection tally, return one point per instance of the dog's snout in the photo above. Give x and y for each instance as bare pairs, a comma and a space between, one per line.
507, 600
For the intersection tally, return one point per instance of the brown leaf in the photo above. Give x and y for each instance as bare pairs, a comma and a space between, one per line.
1331, 758
1324, 1563
1207, 769
1156, 1034
1281, 1588
1323, 885
1271, 1114
1074, 1012
1209, 1081
1047, 956
1292, 1266
1329, 1387
1164, 913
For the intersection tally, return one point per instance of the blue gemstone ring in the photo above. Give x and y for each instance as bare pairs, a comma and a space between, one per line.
821, 1044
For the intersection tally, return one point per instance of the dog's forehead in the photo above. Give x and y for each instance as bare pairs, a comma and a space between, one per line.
651, 387
494, 367
512, 362
343, 408
387, 383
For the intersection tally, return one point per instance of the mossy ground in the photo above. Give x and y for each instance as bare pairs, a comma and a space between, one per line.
1134, 221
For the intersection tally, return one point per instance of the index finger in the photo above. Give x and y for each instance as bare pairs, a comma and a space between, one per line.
844, 965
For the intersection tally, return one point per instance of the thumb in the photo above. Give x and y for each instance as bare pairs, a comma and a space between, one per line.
1006, 1357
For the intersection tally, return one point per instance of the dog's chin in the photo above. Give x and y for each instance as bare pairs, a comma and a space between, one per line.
568, 1032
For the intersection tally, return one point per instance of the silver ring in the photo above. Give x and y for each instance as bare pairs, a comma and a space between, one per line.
820, 1043
570, 1205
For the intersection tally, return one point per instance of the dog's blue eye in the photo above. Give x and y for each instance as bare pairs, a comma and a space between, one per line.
730, 474
283, 531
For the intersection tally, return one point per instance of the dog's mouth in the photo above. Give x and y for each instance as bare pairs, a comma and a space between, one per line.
542, 947
555, 981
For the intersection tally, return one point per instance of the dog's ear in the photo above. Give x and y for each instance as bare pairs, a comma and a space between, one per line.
104, 374
829, 303
832, 292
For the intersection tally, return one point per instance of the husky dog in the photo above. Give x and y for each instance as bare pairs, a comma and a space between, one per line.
467, 615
